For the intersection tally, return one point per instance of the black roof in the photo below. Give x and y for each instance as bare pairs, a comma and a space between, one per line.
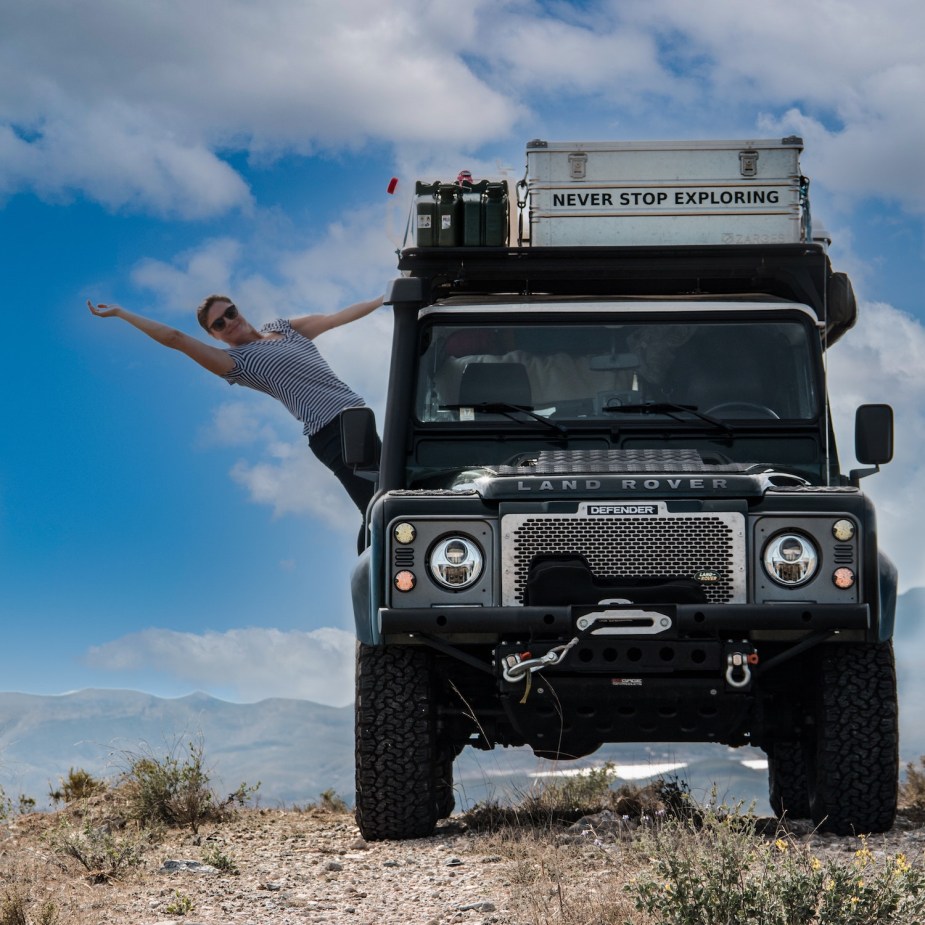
795, 272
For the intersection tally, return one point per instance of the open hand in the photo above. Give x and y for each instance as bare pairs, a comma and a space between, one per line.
103, 311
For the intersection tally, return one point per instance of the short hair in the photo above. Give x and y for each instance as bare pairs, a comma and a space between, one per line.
203, 311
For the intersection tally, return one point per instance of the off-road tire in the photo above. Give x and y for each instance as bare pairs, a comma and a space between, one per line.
853, 766
787, 784
397, 765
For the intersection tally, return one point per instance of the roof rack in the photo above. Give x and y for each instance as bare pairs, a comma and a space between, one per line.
796, 272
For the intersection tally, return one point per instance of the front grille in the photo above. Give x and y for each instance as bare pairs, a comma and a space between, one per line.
677, 545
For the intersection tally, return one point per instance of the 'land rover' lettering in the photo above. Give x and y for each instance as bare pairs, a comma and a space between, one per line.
560, 485
644, 485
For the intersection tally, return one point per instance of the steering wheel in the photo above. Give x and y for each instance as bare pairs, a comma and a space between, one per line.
762, 411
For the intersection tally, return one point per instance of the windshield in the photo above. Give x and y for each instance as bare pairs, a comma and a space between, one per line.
617, 372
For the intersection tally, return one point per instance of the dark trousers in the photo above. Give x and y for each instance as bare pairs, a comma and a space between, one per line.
326, 446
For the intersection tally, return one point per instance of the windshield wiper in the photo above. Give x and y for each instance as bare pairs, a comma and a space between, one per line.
670, 409
508, 409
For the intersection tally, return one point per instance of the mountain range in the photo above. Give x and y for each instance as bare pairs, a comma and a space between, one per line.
297, 749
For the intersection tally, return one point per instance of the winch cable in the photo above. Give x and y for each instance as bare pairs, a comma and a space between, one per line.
521, 666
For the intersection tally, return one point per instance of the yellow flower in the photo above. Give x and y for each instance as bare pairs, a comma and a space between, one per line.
853, 900
781, 845
828, 885
863, 853
902, 865
815, 863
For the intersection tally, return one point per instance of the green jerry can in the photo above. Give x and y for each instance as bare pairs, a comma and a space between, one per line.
472, 195
425, 209
449, 215
496, 221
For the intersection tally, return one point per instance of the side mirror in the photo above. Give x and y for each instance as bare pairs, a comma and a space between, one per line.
358, 438
873, 434
873, 439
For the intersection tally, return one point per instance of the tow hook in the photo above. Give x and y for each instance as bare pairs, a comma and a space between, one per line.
738, 672
517, 666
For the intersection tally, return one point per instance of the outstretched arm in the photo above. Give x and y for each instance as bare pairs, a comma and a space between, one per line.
313, 325
212, 358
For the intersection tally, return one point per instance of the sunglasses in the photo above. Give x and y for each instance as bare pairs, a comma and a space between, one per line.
229, 314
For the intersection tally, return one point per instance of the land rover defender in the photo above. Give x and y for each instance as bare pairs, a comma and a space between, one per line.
610, 506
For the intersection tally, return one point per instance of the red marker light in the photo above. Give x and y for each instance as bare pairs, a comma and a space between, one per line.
393, 183
405, 580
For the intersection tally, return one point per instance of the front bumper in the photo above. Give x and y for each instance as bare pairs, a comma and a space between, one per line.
684, 618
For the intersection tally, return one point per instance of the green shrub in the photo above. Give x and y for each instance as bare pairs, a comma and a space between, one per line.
331, 802
566, 799
912, 789
102, 852
181, 904
176, 791
715, 868
78, 785
220, 861
15, 910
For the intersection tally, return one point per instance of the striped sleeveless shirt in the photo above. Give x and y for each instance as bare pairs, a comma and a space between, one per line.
292, 370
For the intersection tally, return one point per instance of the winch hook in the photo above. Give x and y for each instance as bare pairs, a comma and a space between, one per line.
517, 666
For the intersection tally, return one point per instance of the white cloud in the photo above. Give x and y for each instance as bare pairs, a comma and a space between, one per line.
849, 77
882, 360
137, 105
597, 53
184, 283
134, 105
253, 663
239, 423
287, 477
122, 160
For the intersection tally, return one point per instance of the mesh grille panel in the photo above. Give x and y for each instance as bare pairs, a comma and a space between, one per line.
630, 547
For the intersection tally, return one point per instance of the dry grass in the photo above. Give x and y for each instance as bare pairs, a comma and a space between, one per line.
576, 851
912, 790
641, 856
565, 800
565, 882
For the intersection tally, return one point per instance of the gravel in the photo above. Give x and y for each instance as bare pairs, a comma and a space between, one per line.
305, 867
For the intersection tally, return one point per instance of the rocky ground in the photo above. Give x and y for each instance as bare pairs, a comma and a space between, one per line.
282, 867
274, 868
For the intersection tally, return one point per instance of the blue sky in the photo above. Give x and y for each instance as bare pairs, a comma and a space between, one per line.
162, 531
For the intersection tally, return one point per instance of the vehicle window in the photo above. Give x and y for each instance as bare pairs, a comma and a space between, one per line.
584, 371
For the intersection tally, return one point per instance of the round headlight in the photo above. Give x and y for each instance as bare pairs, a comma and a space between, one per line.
456, 562
791, 559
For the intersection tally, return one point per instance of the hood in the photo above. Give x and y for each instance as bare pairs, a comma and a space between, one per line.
623, 474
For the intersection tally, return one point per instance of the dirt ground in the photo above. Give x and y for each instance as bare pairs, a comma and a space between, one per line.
291, 867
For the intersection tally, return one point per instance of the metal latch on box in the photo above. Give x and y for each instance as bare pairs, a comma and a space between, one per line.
748, 163
578, 165
623, 622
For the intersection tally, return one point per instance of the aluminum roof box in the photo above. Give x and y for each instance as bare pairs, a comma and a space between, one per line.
667, 192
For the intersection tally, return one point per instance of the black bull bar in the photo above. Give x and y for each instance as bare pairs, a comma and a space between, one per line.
685, 618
